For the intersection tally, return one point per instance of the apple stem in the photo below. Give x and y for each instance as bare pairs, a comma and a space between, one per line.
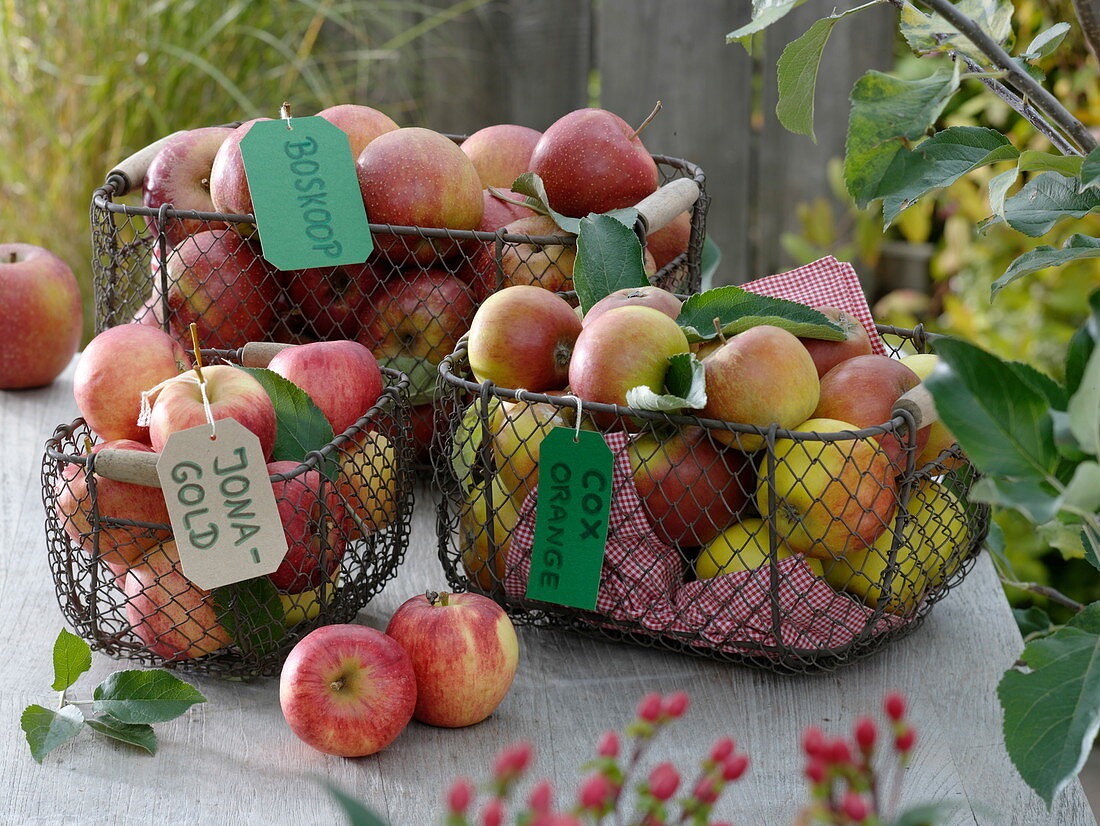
718, 329
645, 122
12, 257
198, 352
284, 113
435, 598
337, 684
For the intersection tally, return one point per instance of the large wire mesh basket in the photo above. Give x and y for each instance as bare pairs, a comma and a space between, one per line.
346, 511
790, 551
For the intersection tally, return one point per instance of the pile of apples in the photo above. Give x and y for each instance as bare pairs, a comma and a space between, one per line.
174, 618
706, 490
415, 296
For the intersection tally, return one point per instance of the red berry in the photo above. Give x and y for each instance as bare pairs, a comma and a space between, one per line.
676, 704
459, 796
664, 780
894, 704
813, 742
608, 745
493, 813
649, 707
512, 761
734, 767
722, 749
866, 733
816, 771
595, 792
706, 790
839, 752
855, 806
905, 740
541, 797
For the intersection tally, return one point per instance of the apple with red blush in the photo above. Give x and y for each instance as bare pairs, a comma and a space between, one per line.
828, 354
499, 212
501, 153
180, 175
312, 514
362, 124
229, 190
653, 297
671, 240
341, 377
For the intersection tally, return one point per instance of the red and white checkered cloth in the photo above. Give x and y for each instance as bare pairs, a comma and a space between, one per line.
642, 583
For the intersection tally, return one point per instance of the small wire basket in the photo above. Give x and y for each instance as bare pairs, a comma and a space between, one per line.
789, 551
346, 511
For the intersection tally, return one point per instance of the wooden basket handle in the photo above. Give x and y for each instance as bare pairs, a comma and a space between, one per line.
666, 203
918, 401
132, 170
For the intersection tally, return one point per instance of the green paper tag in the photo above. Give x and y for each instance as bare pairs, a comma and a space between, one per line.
571, 518
305, 194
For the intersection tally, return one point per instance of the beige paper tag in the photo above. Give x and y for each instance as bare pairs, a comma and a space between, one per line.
221, 504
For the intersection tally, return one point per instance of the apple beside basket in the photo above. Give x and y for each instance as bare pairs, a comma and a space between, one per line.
753, 598
364, 501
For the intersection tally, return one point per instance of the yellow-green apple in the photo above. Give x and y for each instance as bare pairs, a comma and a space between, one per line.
546, 263
485, 532
828, 354
758, 377
623, 348
417, 177
115, 368
42, 318
930, 547
497, 213
862, 391
341, 377
518, 429
464, 652
653, 297
690, 487
220, 282
179, 175
361, 123
421, 313
312, 515
501, 153
307, 605
591, 160
832, 498
670, 240
939, 437
228, 182
232, 393
744, 546
119, 545
173, 617
347, 690
523, 336
331, 299
367, 483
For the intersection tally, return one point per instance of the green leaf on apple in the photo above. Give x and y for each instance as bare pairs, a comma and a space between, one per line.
530, 185
1084, 407
764, 13
47, 729
1046, 41
252, 614
1033, 620
609, 258
300, 426
422, 374
737, 309
136, 734
137, 697
71, 658
685, 387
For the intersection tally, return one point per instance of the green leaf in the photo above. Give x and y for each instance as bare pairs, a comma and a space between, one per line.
998, 419
1045, 200
144, 696
531, 185
927, 814
1090, 170
1080, 349
737, 310
885, 111
685, 387
422, 375
47, 729
1041, 383
927, 33
998, 190
1032, 620
938, 162
1091, 543
1032, 498
1084, 407
609, 258
764, 13
1077, 248
1083, 490
1064, 440
708, 262
252, 613
1046, 41
357, 814
136, 734
300, 426
1052, 713
71, 658
1032, 160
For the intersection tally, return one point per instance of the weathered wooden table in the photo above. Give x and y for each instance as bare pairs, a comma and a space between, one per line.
233, 760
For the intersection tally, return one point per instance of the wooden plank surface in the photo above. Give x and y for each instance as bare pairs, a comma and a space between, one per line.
232, 760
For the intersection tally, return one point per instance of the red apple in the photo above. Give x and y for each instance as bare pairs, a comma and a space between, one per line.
347, 690
497, 213
228, 182
361, 123
115, 368
233, 394
862, 390
760, 376
342, 378
670, 240
180, 176
523, 337
591, 160
828, 354
42, 319
939, 437
653, 297
219, 281
312, 515
501, 153
547, 264
422, 422
464, 652
690, 487
331, 300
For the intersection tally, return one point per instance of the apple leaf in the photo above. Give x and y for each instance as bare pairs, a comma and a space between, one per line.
1032, 620
885, 112
1090, 170
1032, 498
764, 13
357, 814
1052, 712
47, 729
300, 426
136, 734
530, 185
422, 374
137, 697
1077, 248
1084, 407
927, 814
1047, 199
998, 191
71, 658
252, 614
1081, 345
609, 258
1082, 494
1046, 41
685, 387
927, 33
1069, 166
1041, 383
737, 309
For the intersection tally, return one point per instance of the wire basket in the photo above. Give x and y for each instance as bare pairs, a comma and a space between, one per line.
790, 551
409, 303
346, 511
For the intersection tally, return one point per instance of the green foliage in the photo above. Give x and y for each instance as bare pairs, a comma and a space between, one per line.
609, 258
137, 697
685, 387
300, 426
930, 33
532, 188
736, 310
71, 658
252, 614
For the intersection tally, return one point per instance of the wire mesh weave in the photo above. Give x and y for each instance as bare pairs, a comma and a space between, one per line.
789, 551
346, 511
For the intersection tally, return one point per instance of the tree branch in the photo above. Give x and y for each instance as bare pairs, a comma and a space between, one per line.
1088, 14
1053, 594
1024, 83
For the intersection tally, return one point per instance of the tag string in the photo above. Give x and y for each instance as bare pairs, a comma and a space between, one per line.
577, 429
188, 378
